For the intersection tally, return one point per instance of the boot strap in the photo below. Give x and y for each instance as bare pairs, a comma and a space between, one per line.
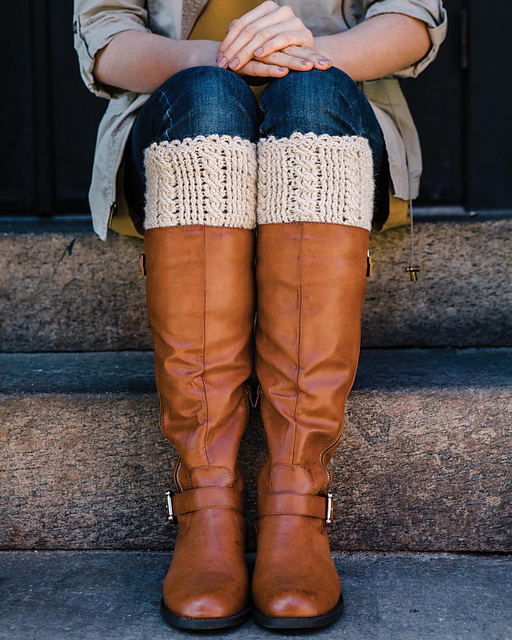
295, 504
204, 498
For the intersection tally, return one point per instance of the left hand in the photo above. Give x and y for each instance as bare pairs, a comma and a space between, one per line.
263, 31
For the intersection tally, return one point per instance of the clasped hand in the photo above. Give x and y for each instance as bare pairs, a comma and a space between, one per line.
269, 41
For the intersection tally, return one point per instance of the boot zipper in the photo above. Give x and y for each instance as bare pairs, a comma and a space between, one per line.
325, 450
180, 488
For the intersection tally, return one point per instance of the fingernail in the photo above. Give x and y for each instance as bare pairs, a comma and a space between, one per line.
283, 69
234, 63
305, 63
324, 61
258, 51
222, 62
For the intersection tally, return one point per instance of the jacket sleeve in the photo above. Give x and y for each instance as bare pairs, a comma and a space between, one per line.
95, 24
431, 12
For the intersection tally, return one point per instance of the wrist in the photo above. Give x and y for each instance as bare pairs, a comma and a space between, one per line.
203, 52
324, 47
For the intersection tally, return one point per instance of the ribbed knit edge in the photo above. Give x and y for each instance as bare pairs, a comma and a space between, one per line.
311, 178
207, 180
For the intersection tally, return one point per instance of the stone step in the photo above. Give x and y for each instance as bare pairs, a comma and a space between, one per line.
65, 290
424, 463
115, 596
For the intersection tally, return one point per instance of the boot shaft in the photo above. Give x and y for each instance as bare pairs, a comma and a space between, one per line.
200, 300
311, 280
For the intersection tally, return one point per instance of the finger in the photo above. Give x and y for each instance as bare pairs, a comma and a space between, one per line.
281, 35
291, 62
291, 33
237, 25
251, 30
256, 33
260, 69
318, 60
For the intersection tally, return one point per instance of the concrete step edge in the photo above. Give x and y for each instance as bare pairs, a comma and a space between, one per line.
391, 370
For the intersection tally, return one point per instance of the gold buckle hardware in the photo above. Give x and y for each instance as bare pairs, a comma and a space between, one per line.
171, 517
330, 509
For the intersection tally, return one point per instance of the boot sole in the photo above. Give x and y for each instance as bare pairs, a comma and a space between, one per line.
299, 623
203, 624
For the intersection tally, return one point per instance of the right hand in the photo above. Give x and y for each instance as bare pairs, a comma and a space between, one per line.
266, 28
279, 63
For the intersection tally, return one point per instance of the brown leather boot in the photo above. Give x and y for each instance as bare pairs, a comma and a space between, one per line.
311, 280
200, 298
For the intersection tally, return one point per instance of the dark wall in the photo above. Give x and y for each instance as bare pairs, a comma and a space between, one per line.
436, 100
461, 105
48, 128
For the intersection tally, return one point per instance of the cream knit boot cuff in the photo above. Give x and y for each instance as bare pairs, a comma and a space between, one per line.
310, 178
205, 180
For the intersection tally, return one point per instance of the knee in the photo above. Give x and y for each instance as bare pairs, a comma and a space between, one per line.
318, 101
208, 100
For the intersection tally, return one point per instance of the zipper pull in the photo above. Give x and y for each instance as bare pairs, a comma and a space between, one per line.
248, 393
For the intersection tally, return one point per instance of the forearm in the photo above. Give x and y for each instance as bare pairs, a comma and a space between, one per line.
377, 47
141, 61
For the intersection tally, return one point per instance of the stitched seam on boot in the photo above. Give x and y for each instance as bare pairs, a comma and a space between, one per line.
236, 521
185, 528
204, 350
287, 493
177, 481
298, 345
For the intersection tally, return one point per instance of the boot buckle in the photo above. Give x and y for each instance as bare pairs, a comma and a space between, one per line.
171, 516
330, 509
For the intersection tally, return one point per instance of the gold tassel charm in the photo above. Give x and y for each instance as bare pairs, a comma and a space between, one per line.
413, 272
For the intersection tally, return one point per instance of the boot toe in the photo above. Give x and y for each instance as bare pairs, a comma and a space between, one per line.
293, 599
208, 600
293, 605
200, 606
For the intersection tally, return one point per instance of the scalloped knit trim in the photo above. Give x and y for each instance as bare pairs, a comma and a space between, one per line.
310, 178
204, 180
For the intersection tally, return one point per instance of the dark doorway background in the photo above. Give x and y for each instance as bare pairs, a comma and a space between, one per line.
461, 105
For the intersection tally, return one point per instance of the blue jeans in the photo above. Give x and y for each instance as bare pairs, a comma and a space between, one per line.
208, 100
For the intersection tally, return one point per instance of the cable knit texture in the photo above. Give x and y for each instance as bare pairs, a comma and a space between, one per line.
310, 178
204, 180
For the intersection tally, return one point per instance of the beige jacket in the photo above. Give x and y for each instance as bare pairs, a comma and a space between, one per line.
96, 22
